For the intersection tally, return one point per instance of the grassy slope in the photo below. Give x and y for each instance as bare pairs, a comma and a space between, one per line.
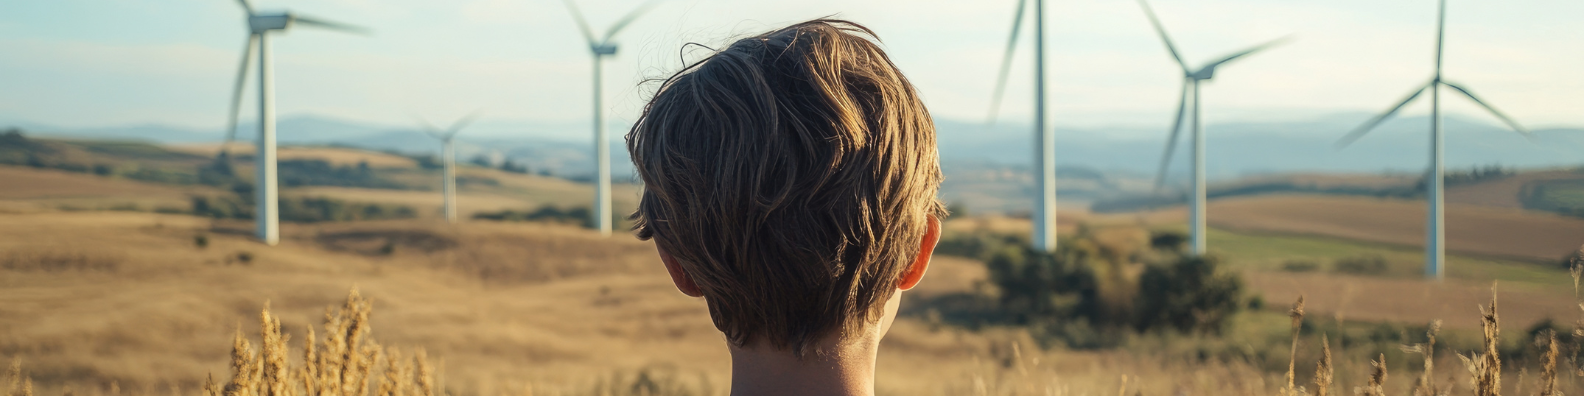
506, 306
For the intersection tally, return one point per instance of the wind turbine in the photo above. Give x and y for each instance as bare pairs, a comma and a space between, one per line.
1435, 236
601, 48
1044, 218
267, 216
448, 160
1191, 80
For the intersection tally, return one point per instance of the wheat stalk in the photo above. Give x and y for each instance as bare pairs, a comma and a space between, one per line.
15, 375
1323, 371
1548, 369
1297, 314
1425, 384
275, 370
1576, 268
1485, 368
426, 374
1377, 382
243, 367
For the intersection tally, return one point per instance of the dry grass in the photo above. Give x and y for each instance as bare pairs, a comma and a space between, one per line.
1323, 370
511, 310
1297, 315
1425, 385
28, 190
1485, 367
1411, 300
1377, 378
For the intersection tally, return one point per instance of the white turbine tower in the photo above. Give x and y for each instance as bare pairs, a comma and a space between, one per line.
267, 215
1435, 235
1191, 80
601, 48
448, 161
1044, 218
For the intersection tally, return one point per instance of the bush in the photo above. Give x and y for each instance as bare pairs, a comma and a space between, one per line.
1300, 266
1188, 295
300, 209
1370, 264
1575, 259
548, 213
1037, 287
295, 173
981, 246
1172, 241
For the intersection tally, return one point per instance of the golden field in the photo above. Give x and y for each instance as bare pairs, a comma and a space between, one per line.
100, 297
131, 300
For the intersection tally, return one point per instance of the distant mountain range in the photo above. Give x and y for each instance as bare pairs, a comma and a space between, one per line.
1235, 149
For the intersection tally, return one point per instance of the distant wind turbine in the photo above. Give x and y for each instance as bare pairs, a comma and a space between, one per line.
1191, 79
601, 48
1435, 237
267, 216
1044, 218
448, 160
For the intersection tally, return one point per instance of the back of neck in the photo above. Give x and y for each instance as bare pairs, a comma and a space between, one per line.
838, 369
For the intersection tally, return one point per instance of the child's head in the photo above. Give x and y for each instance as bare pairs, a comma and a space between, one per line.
791, 178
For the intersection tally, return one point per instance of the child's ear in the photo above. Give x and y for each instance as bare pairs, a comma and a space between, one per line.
683, 282
921, 262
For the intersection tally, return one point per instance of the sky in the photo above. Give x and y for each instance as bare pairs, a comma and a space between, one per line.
95, 63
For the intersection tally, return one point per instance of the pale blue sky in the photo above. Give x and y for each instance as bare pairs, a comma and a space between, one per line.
85, 63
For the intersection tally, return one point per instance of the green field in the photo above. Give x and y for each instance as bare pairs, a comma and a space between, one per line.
1267, 252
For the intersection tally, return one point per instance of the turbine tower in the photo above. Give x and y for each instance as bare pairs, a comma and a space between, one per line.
267, 215
1435, 235
1191, 80
603, 47
1044, 218
448, 161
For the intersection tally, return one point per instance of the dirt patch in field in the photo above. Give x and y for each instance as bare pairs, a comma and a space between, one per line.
1469, 229
1504, 193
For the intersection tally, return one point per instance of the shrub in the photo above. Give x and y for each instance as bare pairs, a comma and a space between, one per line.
1369, 264
981, 246
1300, 266
1188, 295
1168, 240
300, 209
547, 213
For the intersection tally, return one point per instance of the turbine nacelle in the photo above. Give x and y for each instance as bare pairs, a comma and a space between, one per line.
603, 49
1203, 74
259, 24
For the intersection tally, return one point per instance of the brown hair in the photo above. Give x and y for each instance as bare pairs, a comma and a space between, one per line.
791, 176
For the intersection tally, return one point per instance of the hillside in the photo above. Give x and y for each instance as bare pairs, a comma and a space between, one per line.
72, 174
1489, 231
505, 306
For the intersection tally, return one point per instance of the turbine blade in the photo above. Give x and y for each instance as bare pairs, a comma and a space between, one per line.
325, 24
1006, 63
1363, 129
246, 7
236, 93
588, 34
631, 16
428, 128
1164, 38
1171, 140
461, 123
1514, 124
1251, 50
